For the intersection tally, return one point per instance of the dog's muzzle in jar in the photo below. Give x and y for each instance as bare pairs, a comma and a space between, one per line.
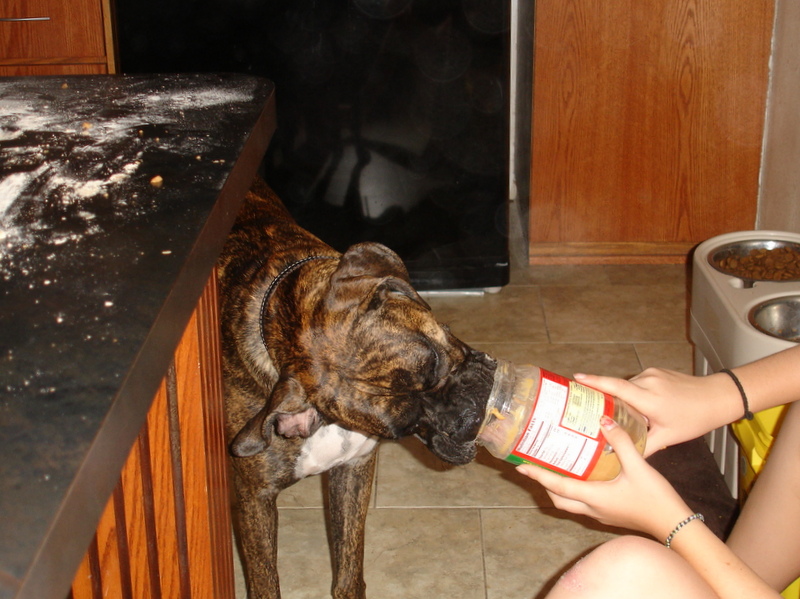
452, 415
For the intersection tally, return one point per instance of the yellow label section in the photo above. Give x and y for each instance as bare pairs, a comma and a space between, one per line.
584, 409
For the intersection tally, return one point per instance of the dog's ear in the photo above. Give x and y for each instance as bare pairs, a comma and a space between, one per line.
287, 414
371, 268
390, 286
372, 260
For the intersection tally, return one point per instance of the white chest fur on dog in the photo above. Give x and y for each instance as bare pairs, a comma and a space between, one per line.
331, 446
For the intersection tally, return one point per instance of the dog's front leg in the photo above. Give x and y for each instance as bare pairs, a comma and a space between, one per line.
257, 519
349, 492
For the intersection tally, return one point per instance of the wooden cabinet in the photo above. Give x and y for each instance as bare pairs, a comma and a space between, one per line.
648, 119
56, 37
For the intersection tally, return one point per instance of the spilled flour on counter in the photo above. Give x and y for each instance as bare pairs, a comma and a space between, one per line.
12, 186
201, 98
65, 194
56, 164
64, 162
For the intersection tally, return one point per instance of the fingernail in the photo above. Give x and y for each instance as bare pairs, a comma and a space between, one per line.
579, 375
607, 422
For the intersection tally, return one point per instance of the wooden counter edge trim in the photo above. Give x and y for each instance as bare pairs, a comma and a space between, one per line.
610, 253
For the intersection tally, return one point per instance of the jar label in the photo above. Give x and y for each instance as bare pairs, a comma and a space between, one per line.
563, 431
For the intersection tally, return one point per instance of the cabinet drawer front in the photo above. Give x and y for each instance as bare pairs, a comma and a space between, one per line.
60, 31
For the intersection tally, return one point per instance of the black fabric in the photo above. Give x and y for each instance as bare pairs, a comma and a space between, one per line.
692, 470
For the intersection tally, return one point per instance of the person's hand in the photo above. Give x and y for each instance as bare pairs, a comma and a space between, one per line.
639, 498
678, 407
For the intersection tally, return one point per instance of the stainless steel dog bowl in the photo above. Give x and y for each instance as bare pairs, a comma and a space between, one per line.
778, 317
742, 249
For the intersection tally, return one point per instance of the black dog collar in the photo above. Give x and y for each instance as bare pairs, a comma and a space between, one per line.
276, 281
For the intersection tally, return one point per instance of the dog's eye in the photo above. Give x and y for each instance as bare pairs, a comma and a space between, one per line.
448, 376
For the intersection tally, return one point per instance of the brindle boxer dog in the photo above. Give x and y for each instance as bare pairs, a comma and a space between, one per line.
324, 354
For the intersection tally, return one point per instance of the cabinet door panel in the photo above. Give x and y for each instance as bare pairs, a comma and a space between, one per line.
51, 30
647, 120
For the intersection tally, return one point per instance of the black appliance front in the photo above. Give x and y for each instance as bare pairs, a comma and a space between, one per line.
392, 116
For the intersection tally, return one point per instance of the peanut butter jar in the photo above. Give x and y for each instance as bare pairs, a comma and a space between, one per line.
538, 417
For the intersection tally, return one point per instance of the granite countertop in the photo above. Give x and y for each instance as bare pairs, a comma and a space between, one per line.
116, 193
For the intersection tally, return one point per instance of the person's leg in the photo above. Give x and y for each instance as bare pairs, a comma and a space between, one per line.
631, 567
766, 535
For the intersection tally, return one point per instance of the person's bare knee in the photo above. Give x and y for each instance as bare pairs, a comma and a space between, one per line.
631, 566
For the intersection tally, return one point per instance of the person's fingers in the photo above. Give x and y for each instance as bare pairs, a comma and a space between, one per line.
622, 444
563, 486
543, 476
635, 394
617, 437
563, 491
606, 384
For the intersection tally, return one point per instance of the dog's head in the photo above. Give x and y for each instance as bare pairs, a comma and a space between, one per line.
371, 357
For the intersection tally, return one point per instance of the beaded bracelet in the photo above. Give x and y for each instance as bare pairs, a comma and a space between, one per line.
697, 516
747, 413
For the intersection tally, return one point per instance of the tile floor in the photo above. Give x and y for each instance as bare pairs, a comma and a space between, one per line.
481, 531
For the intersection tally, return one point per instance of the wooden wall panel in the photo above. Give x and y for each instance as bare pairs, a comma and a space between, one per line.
163, 490
648, 119
215, 446
136, 483
88, 579
166, 530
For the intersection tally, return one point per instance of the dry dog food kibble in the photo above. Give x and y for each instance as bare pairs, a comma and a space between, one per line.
779, 264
